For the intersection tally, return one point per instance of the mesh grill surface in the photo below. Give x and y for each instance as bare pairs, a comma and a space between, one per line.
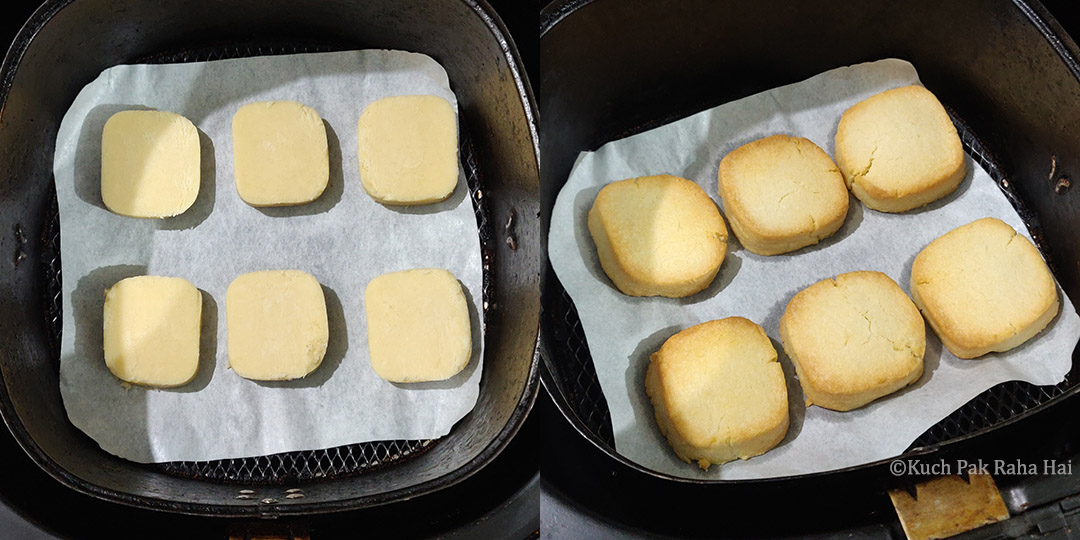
289, 467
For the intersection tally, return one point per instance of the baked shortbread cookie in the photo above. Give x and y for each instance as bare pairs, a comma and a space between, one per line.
983, 287
781, 193
853, 338
899, 150
718, 392
658, 236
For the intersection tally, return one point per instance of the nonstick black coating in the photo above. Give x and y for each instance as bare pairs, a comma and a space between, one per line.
67, 43
615, 67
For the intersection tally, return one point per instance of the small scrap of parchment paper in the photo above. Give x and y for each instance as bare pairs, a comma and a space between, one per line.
344, 238
622, 331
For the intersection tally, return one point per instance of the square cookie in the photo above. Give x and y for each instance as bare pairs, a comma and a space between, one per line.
718, 392
280, 153
277, 325
408, 150
150, 164
418, 325
983, 287
899, 150
151, 330
658, 236
781, 193
853, 338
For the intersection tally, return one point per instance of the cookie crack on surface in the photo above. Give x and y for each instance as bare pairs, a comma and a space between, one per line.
1011, 238
870, 327
869, 164
782, 197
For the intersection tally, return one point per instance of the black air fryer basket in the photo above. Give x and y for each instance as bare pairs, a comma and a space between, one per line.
67, 43
613, 68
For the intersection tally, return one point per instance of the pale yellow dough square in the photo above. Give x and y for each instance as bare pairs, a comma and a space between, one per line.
853, 339
408, 150
277, 325
983, 288
658, 236
151, 330
899, 150
781, 193
280, 153
418, 325
718, 392
149, 164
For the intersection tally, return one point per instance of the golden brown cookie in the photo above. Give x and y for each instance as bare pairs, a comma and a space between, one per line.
983, 287
853, 338
718, 392
658, 235
899, 150
781, 193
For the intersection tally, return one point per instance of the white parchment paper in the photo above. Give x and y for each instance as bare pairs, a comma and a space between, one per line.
623, 331
344, 239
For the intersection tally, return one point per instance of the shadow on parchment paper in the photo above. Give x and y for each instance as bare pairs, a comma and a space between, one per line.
88, 305
583, 201
771, 323
88, 358
335, 185
728, 270
796, 398
336, 347
474, 359
225, 84
450, 203
637, 366
87, 173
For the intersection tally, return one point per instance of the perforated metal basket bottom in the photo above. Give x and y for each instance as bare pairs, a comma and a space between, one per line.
288, 467
1003, 402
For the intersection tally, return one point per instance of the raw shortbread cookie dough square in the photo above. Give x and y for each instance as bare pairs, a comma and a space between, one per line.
151, 330
718, 392
149, 164
418, 325
277, 325
280, 154
781, 193
853, 338
983, 287
408, 150
658, 236
899, 150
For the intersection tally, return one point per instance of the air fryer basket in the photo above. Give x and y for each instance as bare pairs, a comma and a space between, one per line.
67, 43
998, 67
